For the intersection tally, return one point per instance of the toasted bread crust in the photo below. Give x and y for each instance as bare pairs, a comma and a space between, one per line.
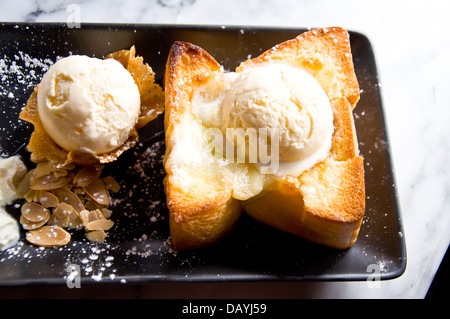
195, 221
330, 197
288, 205
186, 62
312, 50
326, 203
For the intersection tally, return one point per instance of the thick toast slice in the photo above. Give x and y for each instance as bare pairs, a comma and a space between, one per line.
200, 202
325, 204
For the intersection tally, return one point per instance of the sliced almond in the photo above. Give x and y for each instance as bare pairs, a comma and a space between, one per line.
111, 184
92, 204
29, 196
55, 220
97, 236
35, 212
100, 224
84, 216
74, 220
106, 212
63, 209
47, 199
95, 215
97, 191
43, 169
63, 170
78, 190
26, 224
50, 182
67, 196
87, 175
48, 236
66, 167
61, 173
23, 187
36, 196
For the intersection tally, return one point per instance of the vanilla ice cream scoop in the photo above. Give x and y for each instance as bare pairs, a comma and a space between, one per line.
288, 99
88, 104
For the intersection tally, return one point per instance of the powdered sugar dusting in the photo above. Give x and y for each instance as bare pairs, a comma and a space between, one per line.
19, 74
140, 232
141, 197
22, 69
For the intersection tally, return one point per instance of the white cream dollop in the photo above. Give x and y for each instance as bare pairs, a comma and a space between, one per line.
88, 104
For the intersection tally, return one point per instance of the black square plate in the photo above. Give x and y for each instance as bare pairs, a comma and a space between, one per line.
138, 247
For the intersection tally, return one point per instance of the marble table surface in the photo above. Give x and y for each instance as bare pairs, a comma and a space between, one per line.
412, 49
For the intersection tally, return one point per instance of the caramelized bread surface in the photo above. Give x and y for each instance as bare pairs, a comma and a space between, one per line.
325, 204
202, 209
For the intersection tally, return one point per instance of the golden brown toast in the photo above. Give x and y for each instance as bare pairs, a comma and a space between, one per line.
201, 207
325, 204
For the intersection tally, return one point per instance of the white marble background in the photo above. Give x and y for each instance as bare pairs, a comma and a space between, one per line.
412, 49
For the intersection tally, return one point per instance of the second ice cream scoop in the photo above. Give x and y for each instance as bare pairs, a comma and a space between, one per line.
88, 104
288, 99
